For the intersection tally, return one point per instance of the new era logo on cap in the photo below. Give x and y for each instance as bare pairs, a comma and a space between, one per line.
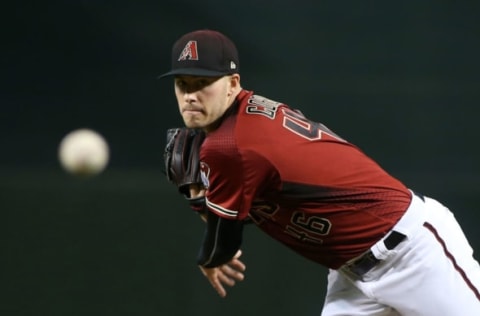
204, 53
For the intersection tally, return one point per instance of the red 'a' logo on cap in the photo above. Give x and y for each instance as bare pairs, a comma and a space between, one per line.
189, 51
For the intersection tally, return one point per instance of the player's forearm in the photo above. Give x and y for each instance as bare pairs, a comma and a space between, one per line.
221, 242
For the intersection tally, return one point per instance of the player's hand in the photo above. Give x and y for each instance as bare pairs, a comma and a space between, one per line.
197, 191
226, 274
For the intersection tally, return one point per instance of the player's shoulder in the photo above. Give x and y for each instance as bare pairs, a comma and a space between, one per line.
256, 104
221, 141
243, 123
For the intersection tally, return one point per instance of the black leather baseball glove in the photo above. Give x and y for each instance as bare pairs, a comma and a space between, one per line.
182, 157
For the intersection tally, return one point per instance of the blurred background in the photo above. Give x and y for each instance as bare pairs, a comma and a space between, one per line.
400, 80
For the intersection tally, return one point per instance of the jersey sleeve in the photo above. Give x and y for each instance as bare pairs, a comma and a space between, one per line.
233, 179
221, 241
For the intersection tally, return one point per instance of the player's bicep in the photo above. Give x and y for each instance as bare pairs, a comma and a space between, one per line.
222, 239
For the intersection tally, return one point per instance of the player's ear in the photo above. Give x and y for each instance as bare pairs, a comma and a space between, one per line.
234, 81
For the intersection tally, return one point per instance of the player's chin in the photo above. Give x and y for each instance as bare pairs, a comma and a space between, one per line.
193, 122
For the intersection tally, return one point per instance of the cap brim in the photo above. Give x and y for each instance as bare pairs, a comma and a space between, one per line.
193, 72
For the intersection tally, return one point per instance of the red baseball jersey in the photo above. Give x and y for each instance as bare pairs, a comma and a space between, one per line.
298, 181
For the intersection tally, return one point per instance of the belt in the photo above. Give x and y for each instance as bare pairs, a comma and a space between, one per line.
368, 261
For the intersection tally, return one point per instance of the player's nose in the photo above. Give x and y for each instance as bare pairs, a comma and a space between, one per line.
189, 96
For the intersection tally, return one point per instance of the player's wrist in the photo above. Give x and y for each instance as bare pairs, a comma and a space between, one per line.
197, 204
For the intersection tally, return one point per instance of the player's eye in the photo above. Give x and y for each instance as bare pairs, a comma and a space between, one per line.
202, 83
194, 84
180, 83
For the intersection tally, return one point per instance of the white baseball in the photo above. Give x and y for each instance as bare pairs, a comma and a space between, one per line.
84, 152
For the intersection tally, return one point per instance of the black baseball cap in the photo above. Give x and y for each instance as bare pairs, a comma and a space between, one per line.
205, 53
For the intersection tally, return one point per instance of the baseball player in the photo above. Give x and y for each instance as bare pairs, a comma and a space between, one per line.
244, 158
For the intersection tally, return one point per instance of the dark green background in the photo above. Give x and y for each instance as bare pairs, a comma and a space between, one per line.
401, 80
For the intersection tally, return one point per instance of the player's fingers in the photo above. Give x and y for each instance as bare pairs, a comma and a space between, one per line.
217, 285
237, 254
212, 275
216, 282
232, 273
237, 265
226, 279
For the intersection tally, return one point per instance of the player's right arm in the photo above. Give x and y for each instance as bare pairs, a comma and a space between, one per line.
218, 258
226, 274
222, 238
221, 241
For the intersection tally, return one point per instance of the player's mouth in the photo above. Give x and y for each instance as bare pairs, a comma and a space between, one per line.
192, 111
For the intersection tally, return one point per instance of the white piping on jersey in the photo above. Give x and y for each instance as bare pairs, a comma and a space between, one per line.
220, 209
214, 249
